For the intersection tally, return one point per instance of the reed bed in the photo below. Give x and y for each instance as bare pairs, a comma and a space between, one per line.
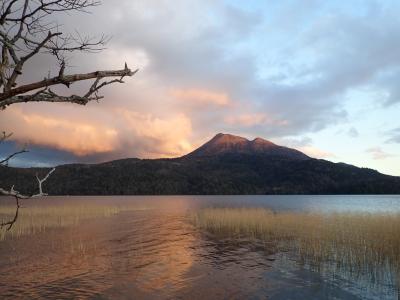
355, 242
36, 219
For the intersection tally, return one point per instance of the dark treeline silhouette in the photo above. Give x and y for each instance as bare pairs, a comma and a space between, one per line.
228, 173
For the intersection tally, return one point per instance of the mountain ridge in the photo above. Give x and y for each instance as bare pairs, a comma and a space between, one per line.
225, 165
228, 143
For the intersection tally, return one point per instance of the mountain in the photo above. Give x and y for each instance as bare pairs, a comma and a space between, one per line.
227, 143
226, 164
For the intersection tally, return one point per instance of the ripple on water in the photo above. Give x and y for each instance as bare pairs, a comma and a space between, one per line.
154, 254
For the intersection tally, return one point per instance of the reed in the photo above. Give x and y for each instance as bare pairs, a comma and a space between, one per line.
355, 242
36, 219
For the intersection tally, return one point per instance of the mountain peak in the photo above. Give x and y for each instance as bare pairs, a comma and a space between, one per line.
228, 138
262, 141
231, 144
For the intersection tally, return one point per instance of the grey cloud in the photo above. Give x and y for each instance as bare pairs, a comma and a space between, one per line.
188, 47
350, 52
360, 49
353, 132
296, 143
211, 45
378, 153
394, 136
387, 83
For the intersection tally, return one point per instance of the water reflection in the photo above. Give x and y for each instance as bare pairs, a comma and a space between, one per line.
155, 253
145, 253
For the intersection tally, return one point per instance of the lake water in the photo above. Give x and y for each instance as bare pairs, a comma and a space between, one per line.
147, 249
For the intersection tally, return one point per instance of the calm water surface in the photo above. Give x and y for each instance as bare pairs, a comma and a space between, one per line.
155, 253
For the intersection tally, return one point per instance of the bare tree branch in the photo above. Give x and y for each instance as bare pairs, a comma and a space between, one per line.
9, 224
9, 157
18, 196
12, 192
3, 138
18, 67
40, 181
26, 30
8, 98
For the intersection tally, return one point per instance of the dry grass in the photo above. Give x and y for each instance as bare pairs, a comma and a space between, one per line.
35, 219
363, 243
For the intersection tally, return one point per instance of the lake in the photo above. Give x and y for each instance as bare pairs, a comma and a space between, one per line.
137, 247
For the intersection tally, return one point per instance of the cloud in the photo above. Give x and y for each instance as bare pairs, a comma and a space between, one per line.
316, 152
275, 71
296, 143
394, 136
77, 137
253, 119
378, 154
155, 137
119, 133
353, 132
331, 56
304, 145
200, 97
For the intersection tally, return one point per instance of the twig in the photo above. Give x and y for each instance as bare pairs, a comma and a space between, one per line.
18, 196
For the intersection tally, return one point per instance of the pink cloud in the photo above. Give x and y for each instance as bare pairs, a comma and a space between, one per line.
316, 152
120, 132
163, 137
249, 120
377, 153
69, 134
201, 96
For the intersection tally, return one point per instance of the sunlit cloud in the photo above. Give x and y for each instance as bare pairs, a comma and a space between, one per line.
249, 120
217, 66
79, 138
201, 97
134, 134
315, 152
157, 137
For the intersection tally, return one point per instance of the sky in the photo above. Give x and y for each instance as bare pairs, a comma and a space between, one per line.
318, 76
